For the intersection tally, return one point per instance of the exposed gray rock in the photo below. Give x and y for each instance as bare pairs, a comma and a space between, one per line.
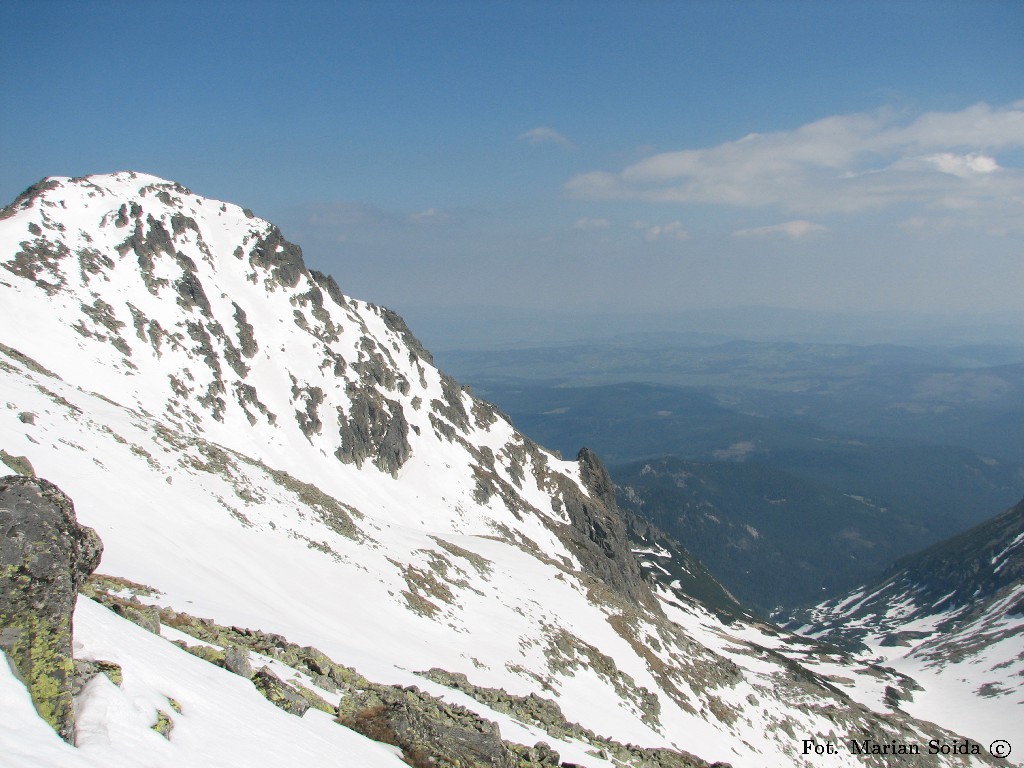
246, 333
211, 399
452, 407
39, 261
237, 660
396, 323
45, 556
87, 669
204, 652
429, 732
146, 616
374, 428
546, 714
330, 285
308, 418
275, 254
28, 198
19, 464
148, 245
189, 287
279, 693
667, 563
180, 223
597, 534
164, 724
315, 661
22, 359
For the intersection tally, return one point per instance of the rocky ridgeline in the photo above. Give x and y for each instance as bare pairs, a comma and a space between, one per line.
973, 576
367, 397
47, 557
430, 732
169, 254
546, 714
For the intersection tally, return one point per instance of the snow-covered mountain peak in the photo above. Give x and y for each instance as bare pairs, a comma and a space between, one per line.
200, 314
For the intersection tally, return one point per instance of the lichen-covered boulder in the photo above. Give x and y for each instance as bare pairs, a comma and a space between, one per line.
431, 733
278, 692
45, 556
146, 616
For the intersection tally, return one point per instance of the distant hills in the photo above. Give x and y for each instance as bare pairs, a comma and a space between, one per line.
858, 444
774, 539
969, 394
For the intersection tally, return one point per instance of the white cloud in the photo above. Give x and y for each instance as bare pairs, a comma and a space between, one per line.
839, 164
653, 232
543, 135
963, 166
586, 223
430, 216
795, 230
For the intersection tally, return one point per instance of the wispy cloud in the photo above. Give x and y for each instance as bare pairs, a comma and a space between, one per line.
543, 135
840, 164
794, 230
653, 232
344, 219
430, 216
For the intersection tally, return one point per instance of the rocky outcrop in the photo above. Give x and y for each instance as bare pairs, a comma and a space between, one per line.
396, 323
237, 660
280, 257
546, 714
667, 564
375, 428
145, 616
597, 535
28, 198
429, 732
45, 556
278, 692
19, 464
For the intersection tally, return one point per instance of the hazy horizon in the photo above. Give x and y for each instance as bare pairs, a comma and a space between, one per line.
562, 158
490, 327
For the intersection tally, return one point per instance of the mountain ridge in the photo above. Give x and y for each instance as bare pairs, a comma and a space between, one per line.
952, 612
956, 579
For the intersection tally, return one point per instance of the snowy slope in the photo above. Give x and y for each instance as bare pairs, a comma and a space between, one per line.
269, 453
221, 722
952, 617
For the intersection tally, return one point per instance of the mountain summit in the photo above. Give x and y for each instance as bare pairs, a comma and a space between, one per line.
283, 481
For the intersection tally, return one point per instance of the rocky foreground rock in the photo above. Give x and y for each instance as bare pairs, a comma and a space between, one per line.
45, 556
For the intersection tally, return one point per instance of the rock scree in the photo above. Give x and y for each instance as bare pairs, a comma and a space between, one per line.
45, 556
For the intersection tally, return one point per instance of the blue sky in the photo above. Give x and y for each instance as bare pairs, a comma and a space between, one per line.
578, 156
